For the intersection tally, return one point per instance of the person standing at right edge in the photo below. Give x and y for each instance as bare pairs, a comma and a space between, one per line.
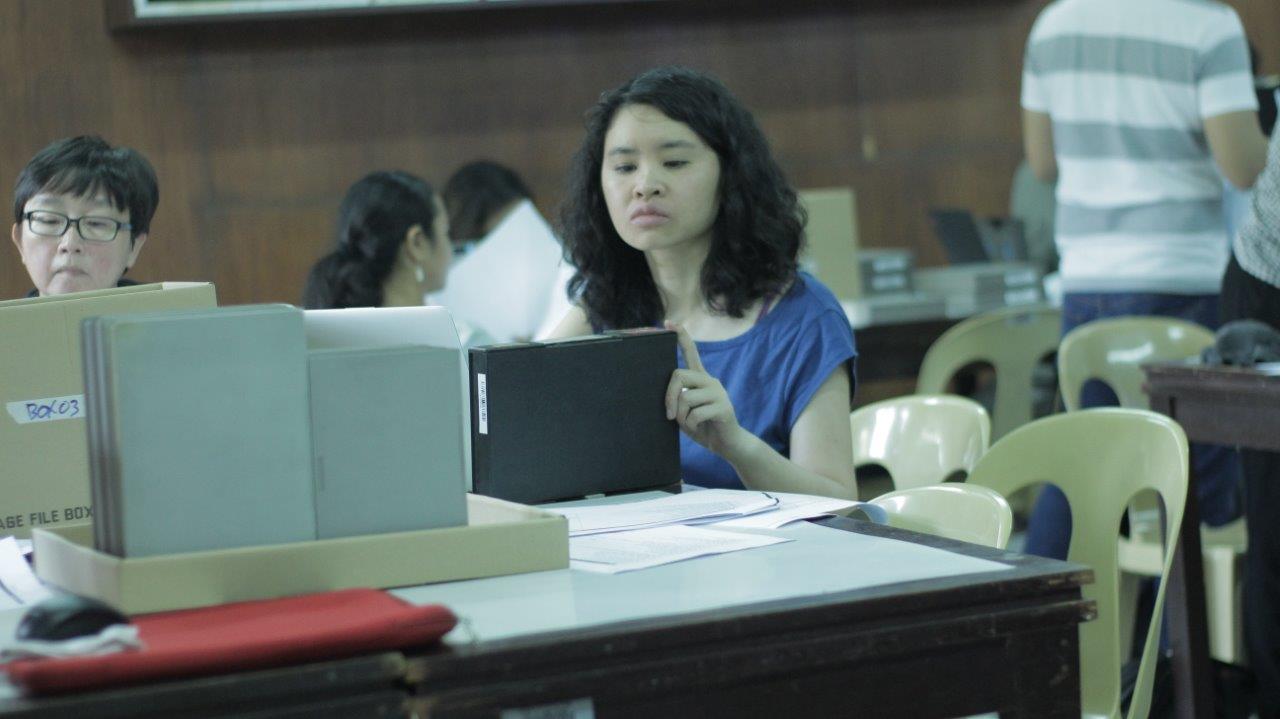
1251, 290
1133, 103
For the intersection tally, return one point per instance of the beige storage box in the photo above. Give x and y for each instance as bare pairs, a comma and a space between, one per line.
831, 240
44, 475
500, 538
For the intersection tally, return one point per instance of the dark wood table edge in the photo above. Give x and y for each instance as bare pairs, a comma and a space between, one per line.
1028, 579
371, 679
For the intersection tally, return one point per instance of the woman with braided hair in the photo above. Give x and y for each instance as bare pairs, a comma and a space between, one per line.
393, 246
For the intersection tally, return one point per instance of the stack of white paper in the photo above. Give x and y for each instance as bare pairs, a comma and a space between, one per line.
694, 507
20, 584
511, 281
615, 552
794, 508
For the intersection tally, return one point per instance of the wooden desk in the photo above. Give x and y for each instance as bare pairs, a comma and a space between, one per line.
370, 686
1220, 405
1003, 640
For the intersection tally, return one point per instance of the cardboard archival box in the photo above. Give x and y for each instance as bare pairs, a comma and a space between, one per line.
831, 240
44, 475
500, 538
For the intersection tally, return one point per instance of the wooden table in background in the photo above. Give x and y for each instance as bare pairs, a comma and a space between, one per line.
1219, 405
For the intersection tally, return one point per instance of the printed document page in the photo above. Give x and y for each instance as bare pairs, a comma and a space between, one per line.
21, 586
793, 508
617, 552
706, 505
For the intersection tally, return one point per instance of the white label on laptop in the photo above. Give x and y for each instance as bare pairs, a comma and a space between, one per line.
50, 409
482, 402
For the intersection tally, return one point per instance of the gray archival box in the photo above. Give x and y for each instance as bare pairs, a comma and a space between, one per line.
199, 432
388, 434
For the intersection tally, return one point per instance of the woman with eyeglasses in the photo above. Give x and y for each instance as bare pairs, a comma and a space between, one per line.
677, 213
82, 211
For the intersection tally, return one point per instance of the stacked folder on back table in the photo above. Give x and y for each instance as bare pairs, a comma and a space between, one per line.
981, 286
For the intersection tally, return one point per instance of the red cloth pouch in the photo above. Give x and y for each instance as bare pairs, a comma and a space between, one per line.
244, 636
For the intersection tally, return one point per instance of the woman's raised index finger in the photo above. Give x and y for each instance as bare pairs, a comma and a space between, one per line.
688, 346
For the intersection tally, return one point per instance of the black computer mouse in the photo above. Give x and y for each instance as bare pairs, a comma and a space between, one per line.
66, 616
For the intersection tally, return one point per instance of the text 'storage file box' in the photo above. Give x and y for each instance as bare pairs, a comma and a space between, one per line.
387, 428
201, 421
565, 419
44, 473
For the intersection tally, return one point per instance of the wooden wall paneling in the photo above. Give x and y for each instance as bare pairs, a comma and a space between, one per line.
257, 129
1261, 19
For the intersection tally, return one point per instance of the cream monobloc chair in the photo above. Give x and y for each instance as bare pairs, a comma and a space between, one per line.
1113, 350
1100, 458
1012, 340
966, 512
920, 439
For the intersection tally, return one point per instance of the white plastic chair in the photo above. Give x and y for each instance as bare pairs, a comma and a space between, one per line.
1101, 458
920, 439
965, 512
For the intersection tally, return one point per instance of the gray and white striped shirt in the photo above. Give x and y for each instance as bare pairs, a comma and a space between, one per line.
1128, 85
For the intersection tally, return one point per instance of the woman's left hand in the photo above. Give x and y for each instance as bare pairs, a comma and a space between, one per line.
700, 405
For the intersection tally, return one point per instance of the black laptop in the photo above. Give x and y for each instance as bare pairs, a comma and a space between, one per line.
571, 418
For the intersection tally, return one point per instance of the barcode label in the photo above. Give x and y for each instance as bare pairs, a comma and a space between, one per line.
482, 395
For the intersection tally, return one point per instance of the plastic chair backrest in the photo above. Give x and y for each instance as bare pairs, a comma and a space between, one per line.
967, 512
1013, 340
1100, 458
1114, 350
920, 439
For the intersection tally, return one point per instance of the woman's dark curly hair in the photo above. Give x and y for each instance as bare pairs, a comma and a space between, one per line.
757, 232
376, 214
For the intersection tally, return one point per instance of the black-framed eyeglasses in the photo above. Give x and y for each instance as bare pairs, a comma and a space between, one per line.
47, 223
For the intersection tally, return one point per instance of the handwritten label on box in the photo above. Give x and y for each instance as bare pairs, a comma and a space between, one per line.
50, 409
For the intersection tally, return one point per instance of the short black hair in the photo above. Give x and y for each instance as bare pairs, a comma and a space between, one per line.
477, 191
376, 214
85, 165
758, 231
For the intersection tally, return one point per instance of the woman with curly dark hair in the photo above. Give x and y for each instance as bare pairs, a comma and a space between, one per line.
677, 213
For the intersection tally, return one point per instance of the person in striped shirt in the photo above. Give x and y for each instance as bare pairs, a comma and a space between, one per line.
1129, 106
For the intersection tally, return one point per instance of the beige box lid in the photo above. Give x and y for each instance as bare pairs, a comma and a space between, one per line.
499, 538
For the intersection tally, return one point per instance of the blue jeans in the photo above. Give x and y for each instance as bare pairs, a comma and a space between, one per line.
1216, 468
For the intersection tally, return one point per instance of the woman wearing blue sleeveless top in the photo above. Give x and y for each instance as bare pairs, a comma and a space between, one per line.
677, 213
